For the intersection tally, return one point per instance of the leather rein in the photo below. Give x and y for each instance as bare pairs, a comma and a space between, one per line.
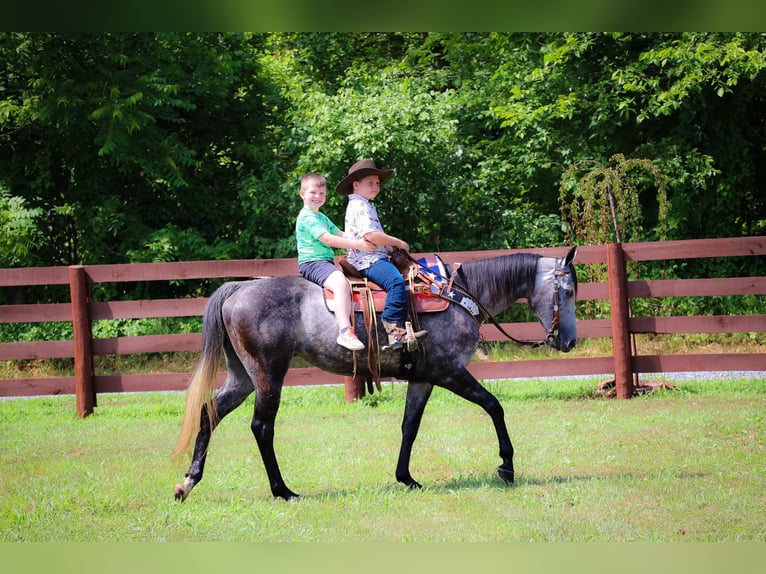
553, 331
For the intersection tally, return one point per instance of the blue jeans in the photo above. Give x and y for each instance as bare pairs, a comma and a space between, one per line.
389, 278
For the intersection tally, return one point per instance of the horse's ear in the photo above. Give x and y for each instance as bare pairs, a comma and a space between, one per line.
570, 256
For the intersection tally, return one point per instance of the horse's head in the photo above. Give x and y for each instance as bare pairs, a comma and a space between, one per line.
553, 300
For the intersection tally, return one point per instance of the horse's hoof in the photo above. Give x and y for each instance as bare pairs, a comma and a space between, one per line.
286, 494
505, 474
180, 493
410, 483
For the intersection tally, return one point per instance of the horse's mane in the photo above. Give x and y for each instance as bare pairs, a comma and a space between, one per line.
504, 274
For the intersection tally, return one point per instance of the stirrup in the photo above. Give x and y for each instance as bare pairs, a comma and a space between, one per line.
398, 336
412, 336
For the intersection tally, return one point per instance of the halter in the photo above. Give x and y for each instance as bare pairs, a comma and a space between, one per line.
553, 331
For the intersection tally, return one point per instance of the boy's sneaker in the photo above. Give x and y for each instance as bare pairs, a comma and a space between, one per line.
349, 340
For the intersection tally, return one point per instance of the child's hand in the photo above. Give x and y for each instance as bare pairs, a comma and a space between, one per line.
366, 246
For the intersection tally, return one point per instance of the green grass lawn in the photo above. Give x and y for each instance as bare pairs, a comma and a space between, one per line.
681, 465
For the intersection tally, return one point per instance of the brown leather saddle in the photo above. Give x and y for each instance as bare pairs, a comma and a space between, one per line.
366, 294
369, 299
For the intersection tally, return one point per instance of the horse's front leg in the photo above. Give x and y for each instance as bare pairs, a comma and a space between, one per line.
417, 397
465, 385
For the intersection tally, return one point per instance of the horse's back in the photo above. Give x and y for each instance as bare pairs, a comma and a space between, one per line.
269, 298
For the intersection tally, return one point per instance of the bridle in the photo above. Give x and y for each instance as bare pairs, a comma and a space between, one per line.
553, 331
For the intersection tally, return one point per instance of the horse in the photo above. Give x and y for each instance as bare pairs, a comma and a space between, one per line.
260, 324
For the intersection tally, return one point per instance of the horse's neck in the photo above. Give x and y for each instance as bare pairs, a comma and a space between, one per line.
496, 285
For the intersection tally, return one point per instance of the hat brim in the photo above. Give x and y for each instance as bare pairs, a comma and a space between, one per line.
346, 186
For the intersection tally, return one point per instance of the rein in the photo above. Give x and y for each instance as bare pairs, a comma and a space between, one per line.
550, 336
553, 331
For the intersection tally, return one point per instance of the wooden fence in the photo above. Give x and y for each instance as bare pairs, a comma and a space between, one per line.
81, 311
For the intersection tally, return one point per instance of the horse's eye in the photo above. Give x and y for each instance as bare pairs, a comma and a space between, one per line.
569, 293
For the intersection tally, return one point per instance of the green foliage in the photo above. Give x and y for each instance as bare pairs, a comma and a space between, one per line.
21, 332
443, 196
148, 326
172, 244
564, 98
394, 121
103, 329
605, 205
119, 147
20, 232
127, 133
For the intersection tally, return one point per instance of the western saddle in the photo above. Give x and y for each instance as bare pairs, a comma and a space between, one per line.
430, 290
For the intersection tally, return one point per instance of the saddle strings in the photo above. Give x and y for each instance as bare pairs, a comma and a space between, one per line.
373, 345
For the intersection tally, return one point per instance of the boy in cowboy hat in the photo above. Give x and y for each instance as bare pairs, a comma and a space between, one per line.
316, 236
362, 185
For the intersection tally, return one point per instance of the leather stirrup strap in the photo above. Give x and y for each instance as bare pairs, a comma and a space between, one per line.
370, 324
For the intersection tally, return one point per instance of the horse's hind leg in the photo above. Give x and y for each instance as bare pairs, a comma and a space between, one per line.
266, 407
417, 397
233, 392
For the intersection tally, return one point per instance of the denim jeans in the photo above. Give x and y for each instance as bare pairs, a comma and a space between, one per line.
389, 278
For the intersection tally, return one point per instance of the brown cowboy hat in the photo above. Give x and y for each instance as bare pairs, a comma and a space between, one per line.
360, 169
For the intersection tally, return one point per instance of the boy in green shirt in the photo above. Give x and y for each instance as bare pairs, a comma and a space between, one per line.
316, 236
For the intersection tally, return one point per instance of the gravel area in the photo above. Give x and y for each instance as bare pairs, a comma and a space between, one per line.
682, 376
707, 375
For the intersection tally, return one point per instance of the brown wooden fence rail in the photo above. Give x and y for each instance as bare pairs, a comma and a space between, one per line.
81, 311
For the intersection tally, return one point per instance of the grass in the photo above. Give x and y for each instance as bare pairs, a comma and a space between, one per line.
683, 465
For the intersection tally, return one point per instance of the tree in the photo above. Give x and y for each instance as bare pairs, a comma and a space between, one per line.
692, 102
606, 205
20, 232
141, 147
412, 113
132, 135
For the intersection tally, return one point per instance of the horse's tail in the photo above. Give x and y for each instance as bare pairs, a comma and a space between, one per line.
200, 393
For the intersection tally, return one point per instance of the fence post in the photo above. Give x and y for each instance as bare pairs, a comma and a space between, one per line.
85, 392
618, 300
354, 388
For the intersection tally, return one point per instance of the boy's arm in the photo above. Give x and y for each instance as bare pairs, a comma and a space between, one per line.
341, 242
380, 238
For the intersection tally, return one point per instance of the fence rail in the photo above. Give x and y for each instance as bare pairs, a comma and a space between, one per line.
81, 311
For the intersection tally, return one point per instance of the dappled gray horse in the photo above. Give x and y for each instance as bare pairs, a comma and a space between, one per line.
261, 324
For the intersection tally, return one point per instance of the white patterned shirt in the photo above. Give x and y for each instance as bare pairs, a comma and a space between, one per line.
361, 219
